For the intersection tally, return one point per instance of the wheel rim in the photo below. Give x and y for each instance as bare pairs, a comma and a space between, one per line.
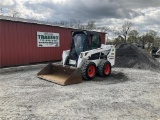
91, 71
107, 69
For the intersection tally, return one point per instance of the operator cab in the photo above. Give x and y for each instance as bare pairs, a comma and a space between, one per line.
83, 41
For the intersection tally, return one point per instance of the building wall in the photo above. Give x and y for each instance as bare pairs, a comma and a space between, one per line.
18, 43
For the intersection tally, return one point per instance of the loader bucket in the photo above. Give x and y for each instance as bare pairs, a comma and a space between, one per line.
61, 75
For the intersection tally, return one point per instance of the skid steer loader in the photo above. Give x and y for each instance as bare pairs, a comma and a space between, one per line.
86, 58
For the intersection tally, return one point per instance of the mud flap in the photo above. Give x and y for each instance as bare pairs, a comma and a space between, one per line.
59, 74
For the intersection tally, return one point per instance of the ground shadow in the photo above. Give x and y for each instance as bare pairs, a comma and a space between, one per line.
114, 78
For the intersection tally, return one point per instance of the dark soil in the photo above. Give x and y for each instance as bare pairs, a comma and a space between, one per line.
130, 56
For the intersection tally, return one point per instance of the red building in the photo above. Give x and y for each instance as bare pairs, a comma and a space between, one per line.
19, 42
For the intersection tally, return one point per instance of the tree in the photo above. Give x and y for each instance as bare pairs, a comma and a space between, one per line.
133, 36
14, 13
124, 30
103, 29
71, 23
75, 23
153, 36
1, 11
149, 38
91, 25
118, 40
157, 42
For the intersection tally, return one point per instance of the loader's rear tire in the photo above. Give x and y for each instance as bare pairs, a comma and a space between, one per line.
88, 70
104, 68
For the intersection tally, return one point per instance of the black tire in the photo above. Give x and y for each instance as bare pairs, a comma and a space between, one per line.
88, 70
104, 68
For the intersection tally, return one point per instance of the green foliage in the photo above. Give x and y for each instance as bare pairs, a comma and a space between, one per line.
133, 36
149, 39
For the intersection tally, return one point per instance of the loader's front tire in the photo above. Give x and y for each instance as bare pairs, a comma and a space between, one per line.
88, 70
104, 68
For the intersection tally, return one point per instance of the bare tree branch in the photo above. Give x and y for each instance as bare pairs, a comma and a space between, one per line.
91, 25
124, 30
14, 13
1, 11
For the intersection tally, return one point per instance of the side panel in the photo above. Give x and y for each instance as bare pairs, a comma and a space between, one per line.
112, 56
107, 51
5, 46
40, 54
19, 43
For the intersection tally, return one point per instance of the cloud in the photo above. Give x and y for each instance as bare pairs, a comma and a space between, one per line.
144, 14
142, 4
6, 3
81, 10
149, 21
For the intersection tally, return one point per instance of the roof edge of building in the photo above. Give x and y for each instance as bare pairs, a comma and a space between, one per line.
16, 19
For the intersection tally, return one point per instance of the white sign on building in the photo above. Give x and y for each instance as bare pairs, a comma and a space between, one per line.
48, 39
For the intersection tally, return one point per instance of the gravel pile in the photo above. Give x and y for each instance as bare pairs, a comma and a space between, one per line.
130, 56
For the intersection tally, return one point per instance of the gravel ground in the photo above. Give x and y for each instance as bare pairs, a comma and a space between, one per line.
127, 94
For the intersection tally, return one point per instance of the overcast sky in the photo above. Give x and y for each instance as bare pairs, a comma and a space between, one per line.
145, 14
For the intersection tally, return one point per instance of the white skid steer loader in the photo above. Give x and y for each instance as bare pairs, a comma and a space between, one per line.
86, 58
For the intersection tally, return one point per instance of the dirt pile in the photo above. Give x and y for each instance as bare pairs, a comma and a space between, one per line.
130, 56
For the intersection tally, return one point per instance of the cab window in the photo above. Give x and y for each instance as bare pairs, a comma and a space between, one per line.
94, 42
